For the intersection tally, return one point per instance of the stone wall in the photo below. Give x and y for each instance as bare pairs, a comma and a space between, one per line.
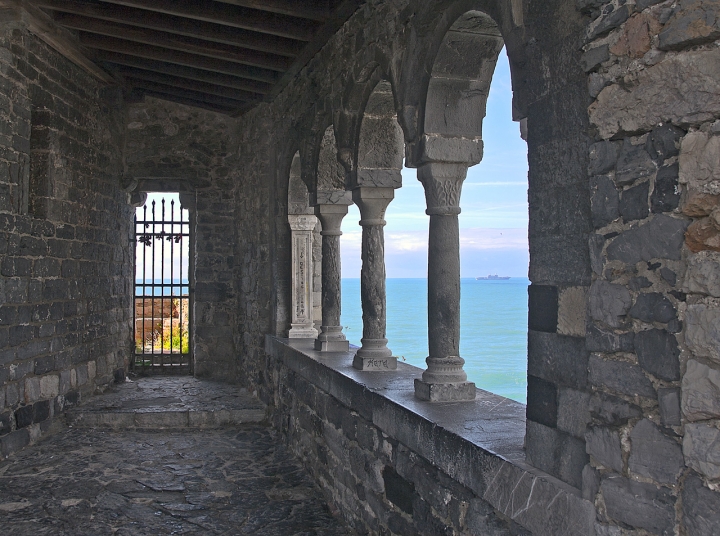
173, 147
65, 226
654, 315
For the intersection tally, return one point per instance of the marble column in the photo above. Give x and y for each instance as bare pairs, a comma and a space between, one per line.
331, 337
301, 226
444, 380
374, 353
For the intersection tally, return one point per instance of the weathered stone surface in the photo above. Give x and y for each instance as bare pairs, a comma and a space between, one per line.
669, 405
701, 508
633, 163
634, 202
556, 452
572, 306
653, 454
542, 401
703, 331
605, 201
609, 22
652, 307
573, 412
603, 444
700, 391
699, 161
658, 353
664, 142
637, 34
603, 157
594, 57
596, 243
701, 447
591, 483
608, 303
697, 204
693, 23
661, 238
558, 358
703, 235
543, 308
612, 409
620, 376
665, 196
639, 505
703, 274
653, 98
599, 340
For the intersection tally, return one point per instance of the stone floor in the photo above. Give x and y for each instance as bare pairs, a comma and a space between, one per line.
233, 479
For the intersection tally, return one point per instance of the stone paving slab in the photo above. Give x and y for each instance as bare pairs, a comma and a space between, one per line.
168, 402
237, 480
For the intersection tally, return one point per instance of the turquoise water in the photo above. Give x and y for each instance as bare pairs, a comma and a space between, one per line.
493, 328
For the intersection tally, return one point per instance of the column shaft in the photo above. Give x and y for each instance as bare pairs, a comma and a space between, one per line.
302, 288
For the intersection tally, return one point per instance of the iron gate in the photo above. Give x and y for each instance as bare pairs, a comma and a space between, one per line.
163, 306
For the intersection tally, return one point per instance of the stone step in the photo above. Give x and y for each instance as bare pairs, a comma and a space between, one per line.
168, 403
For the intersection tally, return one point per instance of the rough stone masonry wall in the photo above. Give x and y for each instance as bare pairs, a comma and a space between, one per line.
65, 252
173, 147
653, 330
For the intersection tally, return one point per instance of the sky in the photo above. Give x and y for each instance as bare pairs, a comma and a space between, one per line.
494, 218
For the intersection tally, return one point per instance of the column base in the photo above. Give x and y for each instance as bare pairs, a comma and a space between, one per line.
375, 363
332, 346
302, 333
444, 392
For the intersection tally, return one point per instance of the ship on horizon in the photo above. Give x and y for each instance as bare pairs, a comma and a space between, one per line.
492, 278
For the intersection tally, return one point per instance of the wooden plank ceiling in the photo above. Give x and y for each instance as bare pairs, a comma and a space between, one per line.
222, 55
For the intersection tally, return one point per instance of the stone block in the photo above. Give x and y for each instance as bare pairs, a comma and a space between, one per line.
661, 238
668, 275
665, 196
603, 157
669, 405
14, 441
694, 22
398, 491
559, 359
640, 505
590, 483
653, 454
543, 308
701, 508
542, 401
703, 235
603, 444
609, 22
596, 243
445, 392
652, 307
573, 413
556, 452
591, 59
24, 416
572, 306
703, 274
664, 142
653, 97
612, 410
702, 334
604, 202
699, 161
32, 390
634, 202
701, 447
600, 340
608, 303
49, 386
658, 353
700, 392
620, 376
633, 163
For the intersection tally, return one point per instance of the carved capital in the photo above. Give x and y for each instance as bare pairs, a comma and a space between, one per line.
302, 222
372, 203
443, 186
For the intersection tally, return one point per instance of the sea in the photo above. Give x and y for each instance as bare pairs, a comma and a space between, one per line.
493, 328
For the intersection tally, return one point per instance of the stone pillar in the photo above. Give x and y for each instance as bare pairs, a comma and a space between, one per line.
444, 380
374, 353
302, 226
331, 212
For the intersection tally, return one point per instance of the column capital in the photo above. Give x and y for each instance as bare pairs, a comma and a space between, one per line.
331, 197
372, 203
302, 222
443, 185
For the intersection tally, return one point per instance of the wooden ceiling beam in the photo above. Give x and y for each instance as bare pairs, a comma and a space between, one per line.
198, 96
307, 9
112, 44
227, 15
177, 25
131, 73
175, 42
114, 58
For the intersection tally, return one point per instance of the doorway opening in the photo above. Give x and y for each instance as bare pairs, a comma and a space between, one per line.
163, 293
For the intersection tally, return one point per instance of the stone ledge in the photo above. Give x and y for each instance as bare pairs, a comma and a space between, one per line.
478, 443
